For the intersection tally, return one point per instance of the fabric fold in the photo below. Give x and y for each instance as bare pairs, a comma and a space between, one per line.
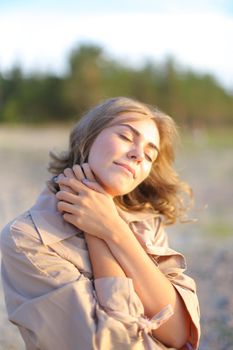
144, 323
49, 286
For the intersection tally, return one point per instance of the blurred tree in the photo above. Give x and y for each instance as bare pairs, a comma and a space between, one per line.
10, 84
144, 83
82, 87
117, 79
191, 98
39, 99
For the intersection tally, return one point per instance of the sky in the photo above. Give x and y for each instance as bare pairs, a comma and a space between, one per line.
39, 35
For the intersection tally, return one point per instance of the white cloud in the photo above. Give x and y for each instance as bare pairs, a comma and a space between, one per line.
41, 40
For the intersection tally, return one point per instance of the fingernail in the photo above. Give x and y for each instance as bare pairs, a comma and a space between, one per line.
85, 181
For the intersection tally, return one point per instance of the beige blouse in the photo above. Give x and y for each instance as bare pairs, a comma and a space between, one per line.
51, 294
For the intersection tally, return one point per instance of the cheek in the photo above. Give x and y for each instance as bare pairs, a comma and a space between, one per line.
102, 153
146, 169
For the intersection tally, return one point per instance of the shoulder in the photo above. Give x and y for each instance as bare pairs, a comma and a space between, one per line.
18, 233
152, 228
32, 267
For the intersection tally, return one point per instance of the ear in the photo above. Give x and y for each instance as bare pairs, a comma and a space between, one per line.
93, 185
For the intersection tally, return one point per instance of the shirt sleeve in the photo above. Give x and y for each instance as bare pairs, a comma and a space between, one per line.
153, 238
57, 307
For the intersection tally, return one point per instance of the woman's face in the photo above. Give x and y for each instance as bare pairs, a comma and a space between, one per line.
122, 155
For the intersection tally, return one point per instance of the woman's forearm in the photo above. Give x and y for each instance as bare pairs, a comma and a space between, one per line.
103, 262
151, 285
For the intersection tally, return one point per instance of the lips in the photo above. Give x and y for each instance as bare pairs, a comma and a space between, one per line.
126, 166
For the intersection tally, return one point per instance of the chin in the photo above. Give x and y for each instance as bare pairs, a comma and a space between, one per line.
113, 184
114, 190
119, 190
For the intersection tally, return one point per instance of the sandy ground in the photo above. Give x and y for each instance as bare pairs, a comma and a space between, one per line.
207, 244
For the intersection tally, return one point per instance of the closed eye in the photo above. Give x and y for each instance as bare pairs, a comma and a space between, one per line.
125, 138
149, 158
130, 140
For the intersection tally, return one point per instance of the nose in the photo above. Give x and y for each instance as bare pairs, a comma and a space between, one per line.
136, 155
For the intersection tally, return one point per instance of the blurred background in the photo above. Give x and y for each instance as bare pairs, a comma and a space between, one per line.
59, 58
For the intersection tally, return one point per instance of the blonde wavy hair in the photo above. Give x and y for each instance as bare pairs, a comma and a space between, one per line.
162, 190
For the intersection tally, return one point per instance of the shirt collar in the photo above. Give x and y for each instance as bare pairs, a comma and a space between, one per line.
53, 229
48, 220
134, 216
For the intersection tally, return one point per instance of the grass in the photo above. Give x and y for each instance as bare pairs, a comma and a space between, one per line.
191, 139
204, 161
213, 138
219, 228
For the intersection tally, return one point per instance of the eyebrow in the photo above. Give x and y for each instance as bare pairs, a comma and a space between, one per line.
137, 133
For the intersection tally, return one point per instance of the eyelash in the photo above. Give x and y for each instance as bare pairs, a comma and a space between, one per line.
127, 139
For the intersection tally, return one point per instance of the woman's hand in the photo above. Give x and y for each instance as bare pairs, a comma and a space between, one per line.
85, 204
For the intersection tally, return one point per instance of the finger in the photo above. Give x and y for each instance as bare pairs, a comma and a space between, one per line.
59, 177
67, 197
72, 219
78, 171
66, 188
74, 184
69, 172
88, 172
66, 207
61, 186
94, 186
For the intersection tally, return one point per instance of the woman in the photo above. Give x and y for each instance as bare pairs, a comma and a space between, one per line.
89, 266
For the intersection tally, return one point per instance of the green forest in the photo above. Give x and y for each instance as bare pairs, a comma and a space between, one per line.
191, 98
